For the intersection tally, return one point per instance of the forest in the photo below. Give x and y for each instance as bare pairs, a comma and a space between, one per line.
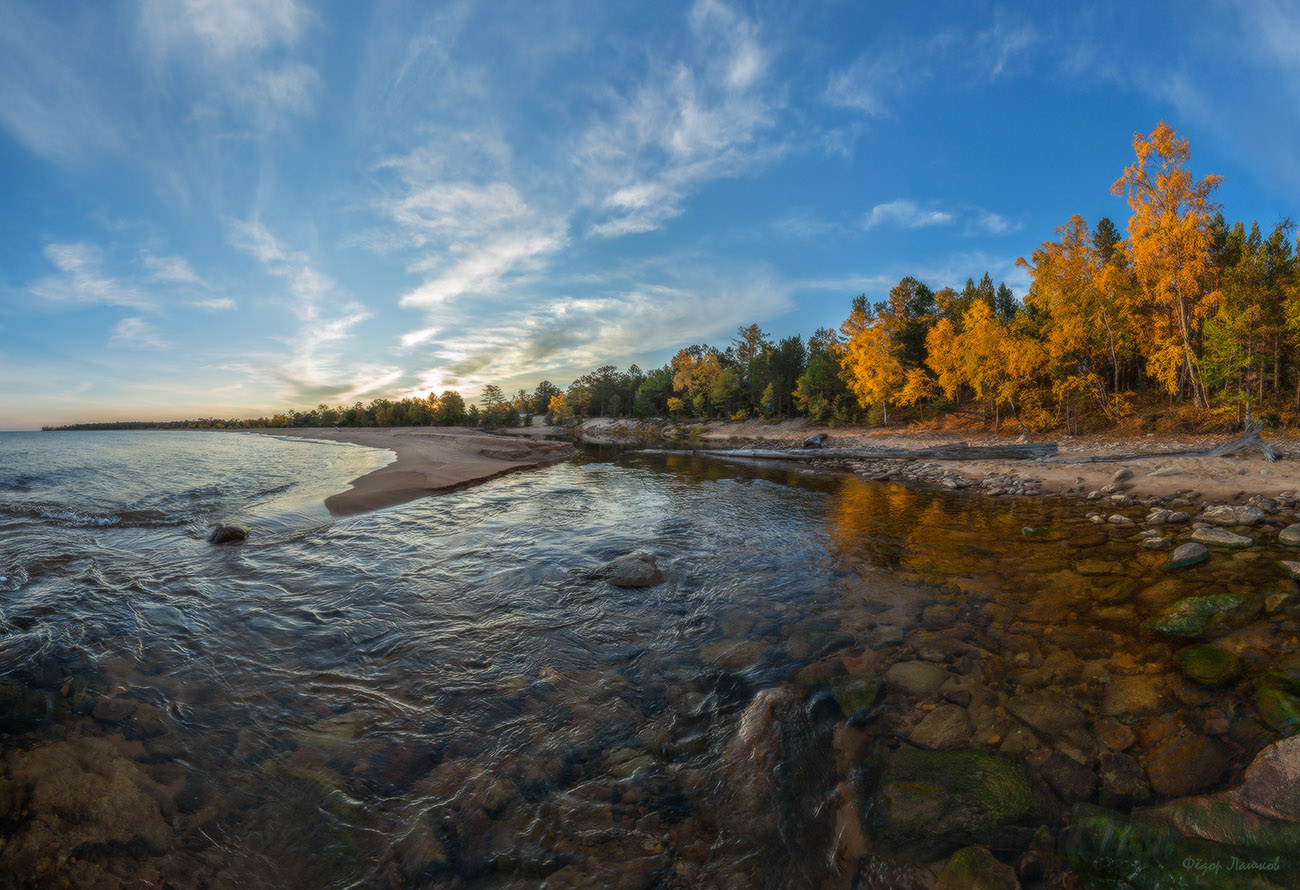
1186, 315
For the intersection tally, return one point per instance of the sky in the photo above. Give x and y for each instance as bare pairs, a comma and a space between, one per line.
235, 207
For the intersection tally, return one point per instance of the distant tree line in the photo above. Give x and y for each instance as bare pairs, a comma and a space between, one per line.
1187, 311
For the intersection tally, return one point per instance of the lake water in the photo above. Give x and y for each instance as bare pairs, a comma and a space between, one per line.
446, 694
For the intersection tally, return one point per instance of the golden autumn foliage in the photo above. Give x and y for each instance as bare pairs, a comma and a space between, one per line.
1169, 248
1106, 317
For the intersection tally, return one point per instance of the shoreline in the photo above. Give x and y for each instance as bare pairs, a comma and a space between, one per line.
1213, 479
429, 461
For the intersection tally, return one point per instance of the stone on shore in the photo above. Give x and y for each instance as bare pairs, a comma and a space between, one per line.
1186, 555
633, 570
1221, 537
1225, 514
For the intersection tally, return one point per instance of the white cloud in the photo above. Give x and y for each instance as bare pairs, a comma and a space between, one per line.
315, 368
867, 84
571, 335
136, 333
81, 279
418, 338
906, 214
225, 28
700, 119
169, 269
221, 304
46, 100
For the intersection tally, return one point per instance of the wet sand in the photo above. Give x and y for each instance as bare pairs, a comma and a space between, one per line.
430, 460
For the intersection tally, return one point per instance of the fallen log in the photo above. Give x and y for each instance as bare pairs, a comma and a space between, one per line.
1249, 438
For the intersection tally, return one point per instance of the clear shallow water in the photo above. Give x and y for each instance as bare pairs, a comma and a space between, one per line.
443, 694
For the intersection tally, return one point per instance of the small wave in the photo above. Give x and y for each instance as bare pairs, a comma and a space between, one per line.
71, 518
13, 578
79, 520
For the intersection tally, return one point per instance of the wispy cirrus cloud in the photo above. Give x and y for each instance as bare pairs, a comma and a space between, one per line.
82, 279
225, 28
136, 333
46, 100
314, 368
706, 116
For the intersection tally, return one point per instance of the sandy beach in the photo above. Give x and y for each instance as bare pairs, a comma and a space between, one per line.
430, 460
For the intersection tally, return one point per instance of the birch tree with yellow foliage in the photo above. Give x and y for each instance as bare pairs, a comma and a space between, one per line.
1169, 249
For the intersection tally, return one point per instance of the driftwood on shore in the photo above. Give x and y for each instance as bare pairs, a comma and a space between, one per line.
957, 451
1249, 438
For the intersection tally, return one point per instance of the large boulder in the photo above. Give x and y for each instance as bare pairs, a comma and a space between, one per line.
925, 804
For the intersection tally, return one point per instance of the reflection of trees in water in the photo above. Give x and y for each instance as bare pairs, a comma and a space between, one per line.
926, 531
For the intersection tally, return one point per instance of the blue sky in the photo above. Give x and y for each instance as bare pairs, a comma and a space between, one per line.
231, 207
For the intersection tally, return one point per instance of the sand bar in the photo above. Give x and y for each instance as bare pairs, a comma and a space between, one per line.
430, 460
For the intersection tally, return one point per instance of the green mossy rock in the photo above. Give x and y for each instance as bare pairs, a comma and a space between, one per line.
1279, 711
975, 868
856, 693
1144, 851
923, 805
1208, 665
1197, 616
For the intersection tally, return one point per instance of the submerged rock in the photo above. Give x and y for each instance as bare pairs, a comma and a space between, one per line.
637, 569
227, 534
1279, 710
71, 795
1132, 697
1204, 616
1186, 555
918, 679
856, 694
1290, 535
975, 868
1123, 783
926, 804
1186, 764
1207, 665
1251, 833
945, 728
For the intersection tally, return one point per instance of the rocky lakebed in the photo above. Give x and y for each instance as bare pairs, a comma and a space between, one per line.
984, 691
